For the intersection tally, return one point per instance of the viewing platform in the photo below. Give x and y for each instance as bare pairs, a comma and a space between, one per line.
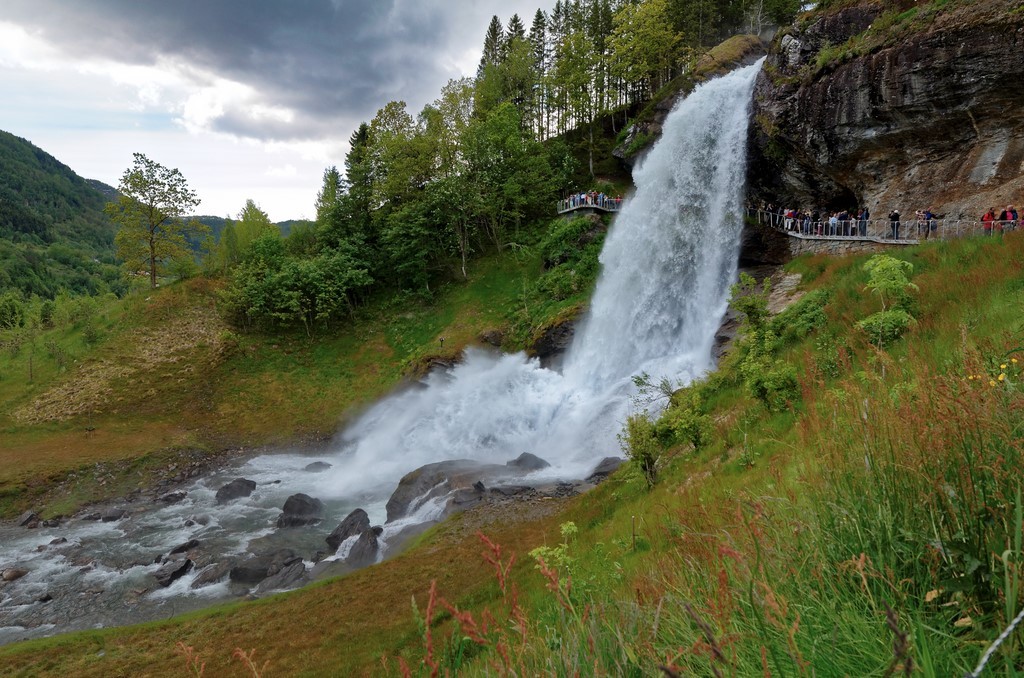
589, 205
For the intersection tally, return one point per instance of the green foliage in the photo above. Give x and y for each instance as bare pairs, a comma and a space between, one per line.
640, 442
802, 317
150, 210
888, 281
768, 378
686, 419
885, 327
12, 311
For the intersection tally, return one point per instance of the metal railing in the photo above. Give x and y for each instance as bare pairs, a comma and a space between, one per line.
904, 231
587, 201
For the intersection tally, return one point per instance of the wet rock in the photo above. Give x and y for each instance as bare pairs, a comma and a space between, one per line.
173, 497
288, 577
605, 467
113, 514
329, 568
259, 567
511, 490
172, 571
45, 598
211, 574
479, 486
52, 522
364, 551
236, 489
95, 515
13, 573
58, 540
527, 462
182, 548
317, 467
554, 340
200, 519
301, 509
353, 524
436, 480
27, 519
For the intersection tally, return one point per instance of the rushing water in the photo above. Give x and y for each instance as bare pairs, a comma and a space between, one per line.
666, 267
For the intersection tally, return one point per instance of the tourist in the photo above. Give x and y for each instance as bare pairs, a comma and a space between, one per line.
929, 222
987, 219
894, 224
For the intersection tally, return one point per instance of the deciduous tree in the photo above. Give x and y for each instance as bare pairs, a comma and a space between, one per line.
151, 212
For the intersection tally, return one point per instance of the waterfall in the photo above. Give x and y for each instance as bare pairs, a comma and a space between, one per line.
666, 268
667, 265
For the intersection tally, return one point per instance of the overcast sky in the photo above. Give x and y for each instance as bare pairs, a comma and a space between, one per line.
248, 98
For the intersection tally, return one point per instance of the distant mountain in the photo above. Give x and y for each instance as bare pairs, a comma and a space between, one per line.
216, 224
53, 232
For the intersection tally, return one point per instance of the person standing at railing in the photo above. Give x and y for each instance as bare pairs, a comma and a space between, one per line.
929, 222
894, 224
987, 220
862, 222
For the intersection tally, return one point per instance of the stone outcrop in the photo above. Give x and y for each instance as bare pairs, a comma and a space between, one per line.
236, 489
301, 509
880, 106
364, 551
354, 523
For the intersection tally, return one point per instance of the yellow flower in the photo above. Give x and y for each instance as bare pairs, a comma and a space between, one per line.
1002, 376
1013, 360
991, 383
1003, 366
970, 377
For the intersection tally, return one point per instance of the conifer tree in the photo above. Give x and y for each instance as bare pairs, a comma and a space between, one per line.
493, 42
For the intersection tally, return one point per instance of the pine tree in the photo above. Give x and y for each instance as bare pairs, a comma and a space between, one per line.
538, 41
493, 41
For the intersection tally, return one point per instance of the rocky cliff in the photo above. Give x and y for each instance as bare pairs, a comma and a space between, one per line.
896, 105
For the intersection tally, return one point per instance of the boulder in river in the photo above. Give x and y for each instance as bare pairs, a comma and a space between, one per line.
27, 519
301, 509
236, 489
171, 571
604, 468
287, 577
353, 524
317, 467
173, 497
211, 574
364, 551
112, 514
259, 567
13, 573
527, 462
437, 480
182, 548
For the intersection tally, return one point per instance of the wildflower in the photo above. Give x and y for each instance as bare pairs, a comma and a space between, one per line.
970, 377
991, 382
1003, 366
1002, 377
1013, 360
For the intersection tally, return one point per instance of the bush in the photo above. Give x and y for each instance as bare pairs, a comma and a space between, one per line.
12, 311
885, 327
685, 421
640, 443
802, 317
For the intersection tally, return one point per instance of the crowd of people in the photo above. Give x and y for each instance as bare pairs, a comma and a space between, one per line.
590, 199
856, 223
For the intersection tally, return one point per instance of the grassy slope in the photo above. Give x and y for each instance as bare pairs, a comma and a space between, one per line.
168, 381
733, 551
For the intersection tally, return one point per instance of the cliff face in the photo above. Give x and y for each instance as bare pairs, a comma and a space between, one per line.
905, 107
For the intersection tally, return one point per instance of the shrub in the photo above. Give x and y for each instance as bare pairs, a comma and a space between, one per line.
640, 443
885, 327
802, 317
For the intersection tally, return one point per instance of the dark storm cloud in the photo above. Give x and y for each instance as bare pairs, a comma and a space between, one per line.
331, 61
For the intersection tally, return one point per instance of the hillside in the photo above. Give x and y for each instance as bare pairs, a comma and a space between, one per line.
53, 232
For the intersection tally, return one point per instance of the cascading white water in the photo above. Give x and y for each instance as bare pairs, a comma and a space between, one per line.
667, 264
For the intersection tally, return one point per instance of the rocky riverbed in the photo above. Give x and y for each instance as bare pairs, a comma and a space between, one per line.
243, 531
